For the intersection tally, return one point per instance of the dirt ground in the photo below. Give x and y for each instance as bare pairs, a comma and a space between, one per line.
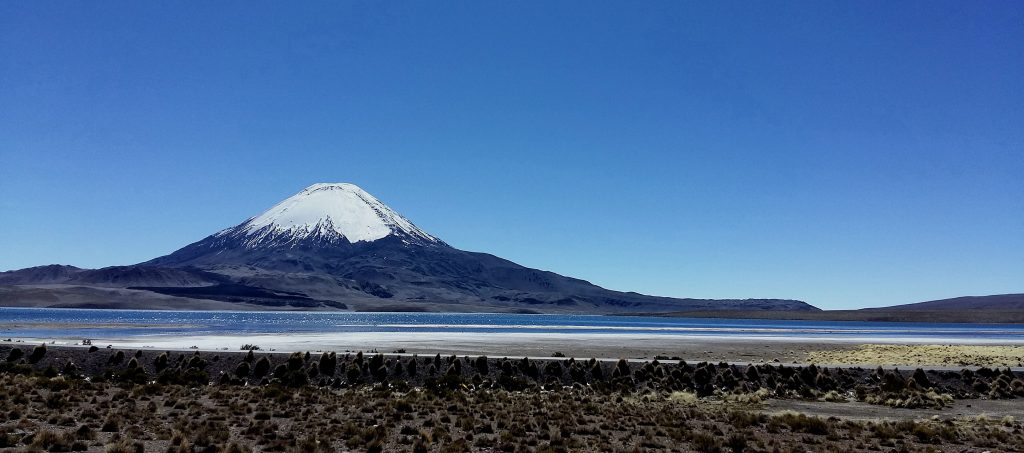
77, 399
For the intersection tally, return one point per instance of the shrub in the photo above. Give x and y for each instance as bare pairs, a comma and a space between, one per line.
280, 371
352, 373
893, 382
705, 443
37, 353
685, 398
452, 371
925, 433
328, 363
752, 374
737, 443
125, 446
742, 419
160, 363
506, 366
921, 378
419, 446
481, 365
824, 382
52, 440
15, 355
116, 358
833, 396
261, 368
295, 378
111, 424
622, 367
70, 368
50, 371
804, 424
553, 369
197, 362
376, 362
295, 361
84, 432
243, 369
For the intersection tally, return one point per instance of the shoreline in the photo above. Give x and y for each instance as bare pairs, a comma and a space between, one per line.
952, 356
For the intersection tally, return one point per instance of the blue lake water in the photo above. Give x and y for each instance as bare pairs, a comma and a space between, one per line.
126, 324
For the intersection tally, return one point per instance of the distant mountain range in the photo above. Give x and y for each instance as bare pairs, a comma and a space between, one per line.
994, 309
335, 246
993, 302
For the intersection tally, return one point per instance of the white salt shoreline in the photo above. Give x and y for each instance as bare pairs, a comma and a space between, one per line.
501, 343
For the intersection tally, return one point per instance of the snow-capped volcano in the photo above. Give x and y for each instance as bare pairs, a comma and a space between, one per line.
328, 213
334, 245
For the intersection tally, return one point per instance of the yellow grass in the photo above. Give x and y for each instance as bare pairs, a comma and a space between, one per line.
919, 355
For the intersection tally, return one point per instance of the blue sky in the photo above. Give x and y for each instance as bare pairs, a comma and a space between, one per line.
848, 154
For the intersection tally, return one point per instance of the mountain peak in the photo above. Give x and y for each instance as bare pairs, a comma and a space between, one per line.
333, 186
329, 211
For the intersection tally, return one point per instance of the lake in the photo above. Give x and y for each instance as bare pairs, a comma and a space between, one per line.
77, 324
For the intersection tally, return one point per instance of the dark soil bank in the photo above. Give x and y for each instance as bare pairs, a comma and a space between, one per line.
63, 399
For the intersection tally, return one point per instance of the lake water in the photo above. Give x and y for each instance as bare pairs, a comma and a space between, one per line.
138, 325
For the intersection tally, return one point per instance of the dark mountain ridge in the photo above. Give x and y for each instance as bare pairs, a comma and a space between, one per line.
993, 309
991, 302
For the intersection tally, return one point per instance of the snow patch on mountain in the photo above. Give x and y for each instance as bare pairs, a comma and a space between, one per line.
321, 211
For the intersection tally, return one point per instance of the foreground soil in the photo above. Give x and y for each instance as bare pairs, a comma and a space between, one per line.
76, 399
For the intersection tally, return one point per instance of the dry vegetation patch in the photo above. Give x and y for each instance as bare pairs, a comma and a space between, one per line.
924, 355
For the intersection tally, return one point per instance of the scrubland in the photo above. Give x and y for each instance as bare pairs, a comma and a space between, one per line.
78, 399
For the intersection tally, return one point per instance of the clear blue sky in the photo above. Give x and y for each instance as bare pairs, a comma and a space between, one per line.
848, 154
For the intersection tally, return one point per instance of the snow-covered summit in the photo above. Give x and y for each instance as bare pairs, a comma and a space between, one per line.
329, 212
